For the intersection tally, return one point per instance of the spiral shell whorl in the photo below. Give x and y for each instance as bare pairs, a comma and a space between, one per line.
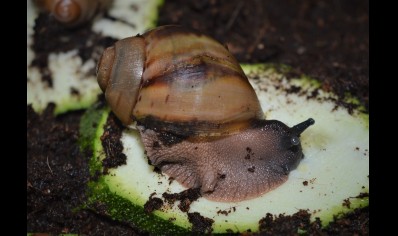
192, 84
177, 80
119, 74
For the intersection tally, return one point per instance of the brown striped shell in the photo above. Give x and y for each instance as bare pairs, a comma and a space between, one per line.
199, 118
177, 80
73, 12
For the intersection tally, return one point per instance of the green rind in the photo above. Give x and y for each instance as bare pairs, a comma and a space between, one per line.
90, 130
306, 82
122, 209
99, 194
70, 104
90, 126
153, 18
262, 67
340, 211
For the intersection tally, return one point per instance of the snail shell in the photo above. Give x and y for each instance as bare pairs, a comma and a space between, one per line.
73, 12
199, 118
191, 83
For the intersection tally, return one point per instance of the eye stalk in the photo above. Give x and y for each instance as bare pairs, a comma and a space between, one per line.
299, 128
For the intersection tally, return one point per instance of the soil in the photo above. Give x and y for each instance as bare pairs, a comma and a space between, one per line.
328, 40
113, 147
57, 176
199, 223
185, 197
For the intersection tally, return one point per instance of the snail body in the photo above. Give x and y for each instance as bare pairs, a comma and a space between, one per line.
72, 13
199, 118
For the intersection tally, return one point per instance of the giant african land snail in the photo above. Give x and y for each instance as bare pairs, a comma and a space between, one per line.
199, 118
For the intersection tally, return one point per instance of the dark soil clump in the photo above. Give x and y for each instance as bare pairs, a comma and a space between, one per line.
199, 223
152, 204
57, 175
112, 145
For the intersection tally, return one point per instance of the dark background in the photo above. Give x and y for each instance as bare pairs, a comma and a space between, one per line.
328, 40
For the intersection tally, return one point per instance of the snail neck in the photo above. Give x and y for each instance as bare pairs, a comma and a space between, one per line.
197, 128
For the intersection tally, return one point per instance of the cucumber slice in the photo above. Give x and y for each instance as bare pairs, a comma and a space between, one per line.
331, 180
74, 85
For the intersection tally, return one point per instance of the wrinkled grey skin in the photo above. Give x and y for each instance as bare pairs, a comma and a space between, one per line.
230, 168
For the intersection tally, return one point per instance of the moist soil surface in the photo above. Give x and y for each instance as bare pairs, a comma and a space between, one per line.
328, 40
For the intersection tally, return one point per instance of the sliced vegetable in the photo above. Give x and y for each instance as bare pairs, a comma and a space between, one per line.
331, 180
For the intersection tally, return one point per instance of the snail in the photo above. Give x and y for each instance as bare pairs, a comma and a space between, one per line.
72, 13
199, 118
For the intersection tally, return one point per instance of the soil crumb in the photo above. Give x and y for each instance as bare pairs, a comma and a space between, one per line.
200, 224
185, 197
112, 145
153, 204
